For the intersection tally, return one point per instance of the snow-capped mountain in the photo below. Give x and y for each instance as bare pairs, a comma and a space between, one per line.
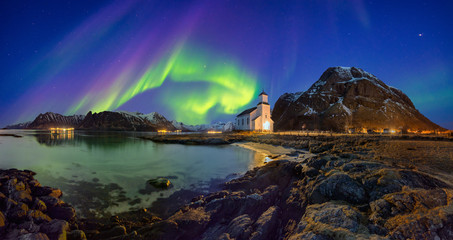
50, 119
118, 121
154, 118
125, 121
345, 98
19, 125
217, 126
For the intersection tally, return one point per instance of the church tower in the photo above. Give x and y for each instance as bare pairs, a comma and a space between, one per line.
264, 110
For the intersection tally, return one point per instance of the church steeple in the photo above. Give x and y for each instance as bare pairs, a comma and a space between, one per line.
263, 98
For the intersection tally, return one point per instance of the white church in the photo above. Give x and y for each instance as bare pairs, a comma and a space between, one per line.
257, 118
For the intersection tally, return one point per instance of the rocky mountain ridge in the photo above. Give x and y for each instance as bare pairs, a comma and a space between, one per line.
347, 98
118, 121
50, 119
216, 126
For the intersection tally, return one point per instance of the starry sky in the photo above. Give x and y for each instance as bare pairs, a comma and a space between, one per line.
201, 61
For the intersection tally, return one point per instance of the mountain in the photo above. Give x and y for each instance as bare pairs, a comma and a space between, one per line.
120, 121
217, 126
50, 119
123, 121
18, 125
156, 119
348, 98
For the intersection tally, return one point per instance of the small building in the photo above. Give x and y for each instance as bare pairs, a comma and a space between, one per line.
257, 118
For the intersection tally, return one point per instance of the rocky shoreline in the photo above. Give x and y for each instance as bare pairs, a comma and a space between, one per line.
31, 211
354, 188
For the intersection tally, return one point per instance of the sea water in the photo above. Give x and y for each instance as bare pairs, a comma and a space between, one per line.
106, 172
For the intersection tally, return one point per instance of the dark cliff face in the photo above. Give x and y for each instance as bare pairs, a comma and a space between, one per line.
348, 98
115, 121
50, 119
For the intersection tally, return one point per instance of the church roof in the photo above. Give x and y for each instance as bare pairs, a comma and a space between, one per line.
248, 111
263, 93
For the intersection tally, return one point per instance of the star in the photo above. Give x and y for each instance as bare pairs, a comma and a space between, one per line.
420, 34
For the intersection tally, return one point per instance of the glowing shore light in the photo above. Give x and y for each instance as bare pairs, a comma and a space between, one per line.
214, 132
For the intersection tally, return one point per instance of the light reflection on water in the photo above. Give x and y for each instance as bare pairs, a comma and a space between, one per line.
107, 171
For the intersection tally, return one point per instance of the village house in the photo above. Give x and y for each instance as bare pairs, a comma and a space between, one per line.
257, 118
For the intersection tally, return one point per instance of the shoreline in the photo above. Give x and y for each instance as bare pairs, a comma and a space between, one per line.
273, 152
348, 187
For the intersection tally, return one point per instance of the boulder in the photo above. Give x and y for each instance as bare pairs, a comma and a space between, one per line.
18, 213
76, 235
21, 196
160, 183
338, 186
39, 216
63, 213
331, 220
116, 231
240, 227
267, 224
50, 201
55, 229
33, 236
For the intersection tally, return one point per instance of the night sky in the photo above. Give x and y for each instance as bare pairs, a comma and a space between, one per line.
203, 61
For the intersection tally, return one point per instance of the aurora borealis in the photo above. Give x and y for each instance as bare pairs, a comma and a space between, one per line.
200, 61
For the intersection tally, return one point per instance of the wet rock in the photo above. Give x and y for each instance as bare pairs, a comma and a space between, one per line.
33, 236
47, 191
114, 232
22, 196
39, 205
38, 216
76, 235
63, 213
55, 229
338, 186
34, 183
166, 229
14, 185
30, 226
18, 212
50, 201
160, 183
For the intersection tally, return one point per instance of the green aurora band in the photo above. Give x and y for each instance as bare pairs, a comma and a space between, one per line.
229, 87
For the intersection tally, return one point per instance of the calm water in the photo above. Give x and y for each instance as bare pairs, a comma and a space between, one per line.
106, 172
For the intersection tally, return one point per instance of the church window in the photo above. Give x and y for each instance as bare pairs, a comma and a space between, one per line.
247, 121
242, 121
